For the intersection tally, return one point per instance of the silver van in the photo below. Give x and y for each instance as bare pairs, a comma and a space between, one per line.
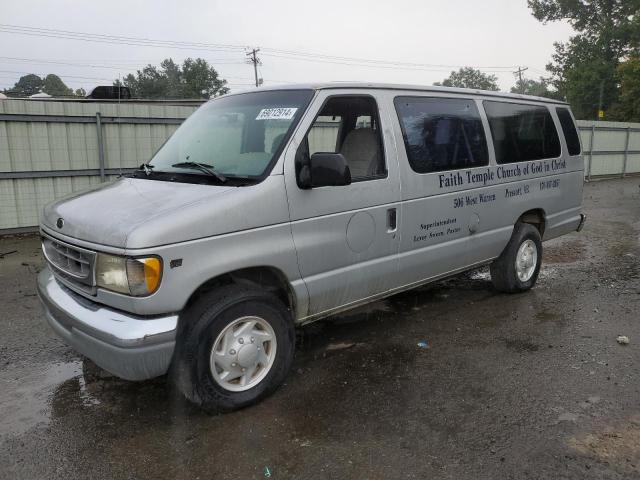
277, 207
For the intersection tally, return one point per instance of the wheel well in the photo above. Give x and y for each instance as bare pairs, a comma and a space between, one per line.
535, 217
266, 278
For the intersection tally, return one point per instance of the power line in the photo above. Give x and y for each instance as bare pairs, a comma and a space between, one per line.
390, 65
317, 56
130, 43
52, 62
44, 74
539, 71
117, 39
89, 65
107, 79
290, 54
214, 62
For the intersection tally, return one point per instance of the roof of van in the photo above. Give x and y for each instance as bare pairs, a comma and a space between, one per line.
392, 86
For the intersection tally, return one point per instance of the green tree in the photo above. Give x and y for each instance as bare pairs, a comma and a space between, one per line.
194, 79
468, 77
26, 86
584, 69
538, 88
627, 107
174, 83
147, 83
201, 80
31, 84
80, 92
54, 86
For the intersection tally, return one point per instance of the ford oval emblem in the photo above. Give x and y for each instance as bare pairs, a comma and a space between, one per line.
60, 223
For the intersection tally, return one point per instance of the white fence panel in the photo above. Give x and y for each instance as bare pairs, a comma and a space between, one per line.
610, 148
49, 149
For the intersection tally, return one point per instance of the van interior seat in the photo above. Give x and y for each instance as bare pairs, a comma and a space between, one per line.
362, 152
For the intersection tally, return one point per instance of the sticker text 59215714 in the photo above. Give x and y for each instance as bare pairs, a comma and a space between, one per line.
276, 114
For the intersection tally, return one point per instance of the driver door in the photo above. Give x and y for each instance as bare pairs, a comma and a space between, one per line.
346, 236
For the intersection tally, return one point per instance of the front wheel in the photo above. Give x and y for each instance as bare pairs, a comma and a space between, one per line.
236, 347
517, 268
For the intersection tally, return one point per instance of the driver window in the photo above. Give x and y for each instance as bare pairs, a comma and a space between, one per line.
349, 125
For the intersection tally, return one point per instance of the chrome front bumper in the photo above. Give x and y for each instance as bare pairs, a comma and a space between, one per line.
129, 346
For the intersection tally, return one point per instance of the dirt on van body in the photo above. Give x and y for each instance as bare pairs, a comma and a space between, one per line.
532, 385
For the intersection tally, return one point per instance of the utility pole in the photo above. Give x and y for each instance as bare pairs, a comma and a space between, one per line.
256, 61
519, 73
600, 111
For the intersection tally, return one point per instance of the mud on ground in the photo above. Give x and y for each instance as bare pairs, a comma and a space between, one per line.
512, 386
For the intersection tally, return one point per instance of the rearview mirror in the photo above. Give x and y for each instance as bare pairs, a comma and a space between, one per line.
328, 170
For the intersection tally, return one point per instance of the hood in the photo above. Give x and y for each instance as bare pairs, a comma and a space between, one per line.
108, 213
137, 213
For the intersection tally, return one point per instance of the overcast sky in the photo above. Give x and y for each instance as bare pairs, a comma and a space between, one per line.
497, 35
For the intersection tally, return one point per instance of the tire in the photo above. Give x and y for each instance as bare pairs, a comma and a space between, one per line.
203, 328
504, 272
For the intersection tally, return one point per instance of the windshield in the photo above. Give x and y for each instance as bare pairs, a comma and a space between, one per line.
238, 135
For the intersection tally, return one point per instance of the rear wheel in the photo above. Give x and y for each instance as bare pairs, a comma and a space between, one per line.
236, 348
517, 268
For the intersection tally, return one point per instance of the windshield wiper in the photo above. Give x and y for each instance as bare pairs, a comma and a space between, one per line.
203, 167
147, 168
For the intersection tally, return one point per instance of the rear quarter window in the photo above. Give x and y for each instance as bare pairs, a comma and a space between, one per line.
569, 130
522, 133
441, 133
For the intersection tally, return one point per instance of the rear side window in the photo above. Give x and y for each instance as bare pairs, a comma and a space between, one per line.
442, 133
569, 130
522, 132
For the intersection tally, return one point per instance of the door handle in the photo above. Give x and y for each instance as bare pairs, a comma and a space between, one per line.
392, 220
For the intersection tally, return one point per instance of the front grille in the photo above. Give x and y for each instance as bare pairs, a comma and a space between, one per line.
71, 263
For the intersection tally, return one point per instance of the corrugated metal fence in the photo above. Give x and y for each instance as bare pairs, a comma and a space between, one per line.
610, 148
49, 149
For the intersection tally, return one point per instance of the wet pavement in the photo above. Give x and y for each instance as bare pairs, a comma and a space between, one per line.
511, 386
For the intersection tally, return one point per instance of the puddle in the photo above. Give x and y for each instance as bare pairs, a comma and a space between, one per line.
483, 274
25, 394
340, 346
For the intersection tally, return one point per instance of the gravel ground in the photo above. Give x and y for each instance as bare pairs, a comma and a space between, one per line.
512, 386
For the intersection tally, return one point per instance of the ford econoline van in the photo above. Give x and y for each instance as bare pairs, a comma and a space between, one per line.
277, 207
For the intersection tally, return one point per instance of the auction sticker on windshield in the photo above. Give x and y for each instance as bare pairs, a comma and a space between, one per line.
276, 114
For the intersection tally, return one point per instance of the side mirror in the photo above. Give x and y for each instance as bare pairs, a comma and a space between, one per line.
329, 170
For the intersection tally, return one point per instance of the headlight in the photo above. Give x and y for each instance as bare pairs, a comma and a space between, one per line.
132, 276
